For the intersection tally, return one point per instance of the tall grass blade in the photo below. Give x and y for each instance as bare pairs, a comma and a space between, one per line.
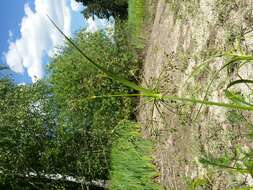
144, 91
110, 74
175, 98
214, 163
239, 57
234, 58
244, 81
116, 95
208, 103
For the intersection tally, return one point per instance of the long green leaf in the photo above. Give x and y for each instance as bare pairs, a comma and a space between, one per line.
175, 98
239, 57
110, 74
214, 163
239, 82
209, 103
233, 59
143, 91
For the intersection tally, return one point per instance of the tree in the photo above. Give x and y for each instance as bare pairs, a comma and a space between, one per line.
34, 149
105, 8
75, 82
3, 67
25, 124
55, 127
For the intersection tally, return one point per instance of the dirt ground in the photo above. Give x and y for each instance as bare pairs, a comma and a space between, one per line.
183, 35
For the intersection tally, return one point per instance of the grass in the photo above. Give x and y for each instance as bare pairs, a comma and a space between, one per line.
132, 166
136, 14
198, 183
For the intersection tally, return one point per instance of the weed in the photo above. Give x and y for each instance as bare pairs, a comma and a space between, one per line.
224, 8
199, 183
235, 117
154, 93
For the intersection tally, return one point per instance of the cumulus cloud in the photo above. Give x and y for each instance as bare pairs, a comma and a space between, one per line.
38, 36
76, 6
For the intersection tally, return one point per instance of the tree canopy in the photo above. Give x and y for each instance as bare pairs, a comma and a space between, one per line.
105, 8
54, 127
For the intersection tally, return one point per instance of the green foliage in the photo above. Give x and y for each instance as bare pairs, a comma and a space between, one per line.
59, 128
24, 117
198, 183
136, 15
237, 98
74, 80
53, 127
27, 125
3, 67
243, 165
147, 92
235, 117
105, 8
132, 166
242, 161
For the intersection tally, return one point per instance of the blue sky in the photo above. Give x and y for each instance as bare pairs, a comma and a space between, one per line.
11, 13
28, 39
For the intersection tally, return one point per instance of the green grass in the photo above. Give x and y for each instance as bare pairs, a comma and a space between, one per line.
132, 166
136, 13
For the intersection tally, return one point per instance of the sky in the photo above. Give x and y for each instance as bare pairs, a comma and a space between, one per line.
28, 39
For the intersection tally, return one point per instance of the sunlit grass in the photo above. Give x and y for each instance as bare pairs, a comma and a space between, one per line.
132, 166
136, 13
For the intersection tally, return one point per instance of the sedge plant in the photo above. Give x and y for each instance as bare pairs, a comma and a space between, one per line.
153, 94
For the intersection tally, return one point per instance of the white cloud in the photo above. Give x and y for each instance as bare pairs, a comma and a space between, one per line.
38, 36
98, 24
76, 6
